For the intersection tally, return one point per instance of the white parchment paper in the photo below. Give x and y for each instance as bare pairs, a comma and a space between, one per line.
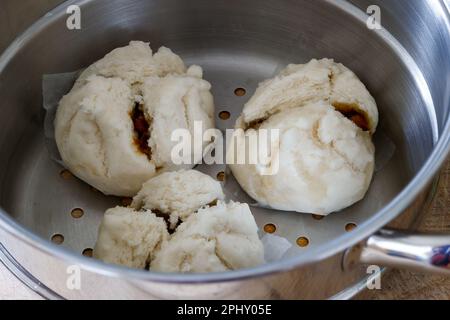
54, 87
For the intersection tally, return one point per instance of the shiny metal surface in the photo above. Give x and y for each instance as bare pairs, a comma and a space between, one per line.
17, 16
418, 252
422, 28
238, 44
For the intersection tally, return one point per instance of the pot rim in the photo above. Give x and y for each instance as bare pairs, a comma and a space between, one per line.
370, 226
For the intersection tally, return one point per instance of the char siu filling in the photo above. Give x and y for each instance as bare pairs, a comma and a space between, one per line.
351, 112
348, 110
166, 216
141, 129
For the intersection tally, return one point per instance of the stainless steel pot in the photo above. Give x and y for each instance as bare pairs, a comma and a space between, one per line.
405, 65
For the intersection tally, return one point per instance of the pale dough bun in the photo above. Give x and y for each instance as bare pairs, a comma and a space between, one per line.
214, 236
218, 238
94, 129
326, 162
317, 80
130, 238
178, 194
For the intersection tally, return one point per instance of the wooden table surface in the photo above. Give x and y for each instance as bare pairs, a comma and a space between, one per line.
395, 284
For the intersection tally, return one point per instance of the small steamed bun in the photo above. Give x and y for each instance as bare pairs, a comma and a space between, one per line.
326, 162
214, 236
317, 80
113, 130
178, 194
218, 238
130, 238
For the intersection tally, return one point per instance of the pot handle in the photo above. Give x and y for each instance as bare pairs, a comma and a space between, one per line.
391, 248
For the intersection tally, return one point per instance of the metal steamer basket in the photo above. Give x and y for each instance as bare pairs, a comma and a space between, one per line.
405, 65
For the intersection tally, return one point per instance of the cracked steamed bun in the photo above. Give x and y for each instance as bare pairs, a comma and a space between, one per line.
113, 130
326, 162
218, 238
129, 238
214, 236
178, 194
326, 117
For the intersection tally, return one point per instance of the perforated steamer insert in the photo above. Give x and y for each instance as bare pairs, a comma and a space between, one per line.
69, 211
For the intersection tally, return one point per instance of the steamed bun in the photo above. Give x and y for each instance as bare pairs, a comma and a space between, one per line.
113, 130
213, 236
217, 238
326, 162
178, 194
325, 117
130, 238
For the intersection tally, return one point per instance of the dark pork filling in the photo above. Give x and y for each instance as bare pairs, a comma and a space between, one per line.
166, 216
141, 129
352, 113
